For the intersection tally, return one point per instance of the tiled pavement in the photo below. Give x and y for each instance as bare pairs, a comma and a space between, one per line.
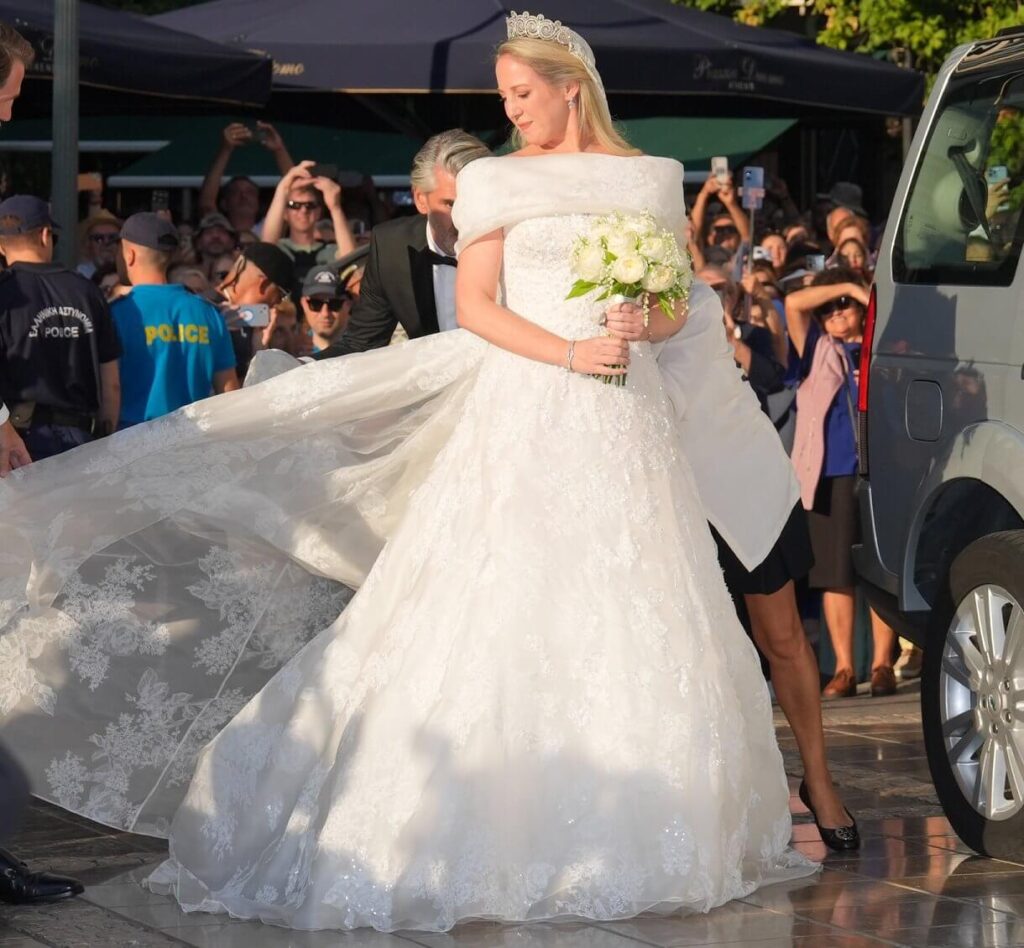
912, 883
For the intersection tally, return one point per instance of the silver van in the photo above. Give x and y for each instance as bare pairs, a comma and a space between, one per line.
942, 435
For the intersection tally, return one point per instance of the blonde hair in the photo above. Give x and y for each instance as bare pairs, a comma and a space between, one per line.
558, 67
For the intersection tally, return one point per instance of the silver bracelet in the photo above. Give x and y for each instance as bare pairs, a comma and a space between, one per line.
572, 352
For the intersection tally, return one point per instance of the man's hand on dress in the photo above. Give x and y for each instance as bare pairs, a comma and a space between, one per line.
13, 453
625, 321
602, 355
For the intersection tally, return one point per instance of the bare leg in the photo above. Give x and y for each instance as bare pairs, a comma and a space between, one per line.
884, 641
779, 634
838, 606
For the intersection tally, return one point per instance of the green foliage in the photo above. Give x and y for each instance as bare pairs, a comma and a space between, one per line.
926, 29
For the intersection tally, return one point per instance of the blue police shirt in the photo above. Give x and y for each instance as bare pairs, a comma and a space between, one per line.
174, 343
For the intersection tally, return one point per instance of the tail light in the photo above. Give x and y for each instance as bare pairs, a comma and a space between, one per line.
865, 381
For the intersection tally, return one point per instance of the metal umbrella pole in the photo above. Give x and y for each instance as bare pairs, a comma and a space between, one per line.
64, 166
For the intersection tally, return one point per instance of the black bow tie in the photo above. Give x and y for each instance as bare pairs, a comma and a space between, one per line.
437, 259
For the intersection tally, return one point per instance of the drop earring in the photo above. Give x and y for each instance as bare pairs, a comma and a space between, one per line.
572, 103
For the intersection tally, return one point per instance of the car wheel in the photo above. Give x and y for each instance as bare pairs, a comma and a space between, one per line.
972, 695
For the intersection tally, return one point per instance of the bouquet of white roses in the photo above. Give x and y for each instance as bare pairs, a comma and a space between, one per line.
630, 257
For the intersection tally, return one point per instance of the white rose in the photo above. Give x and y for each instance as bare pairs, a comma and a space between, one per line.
644, 225
589, 263
658, 279
601, 229
654, 248
629, 269
622, 243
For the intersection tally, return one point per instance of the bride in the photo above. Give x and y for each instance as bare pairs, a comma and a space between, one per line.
538, 704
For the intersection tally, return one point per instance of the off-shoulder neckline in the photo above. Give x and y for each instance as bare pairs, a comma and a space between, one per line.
580, 154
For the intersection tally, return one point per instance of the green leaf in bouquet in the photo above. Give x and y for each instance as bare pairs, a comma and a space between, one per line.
666, 306
581, 288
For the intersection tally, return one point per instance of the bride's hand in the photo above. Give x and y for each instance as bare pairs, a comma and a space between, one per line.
603, 355
625, 321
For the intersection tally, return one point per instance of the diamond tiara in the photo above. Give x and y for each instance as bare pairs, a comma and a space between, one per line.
537, 26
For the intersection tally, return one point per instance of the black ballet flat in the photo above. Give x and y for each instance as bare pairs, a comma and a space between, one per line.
840, 838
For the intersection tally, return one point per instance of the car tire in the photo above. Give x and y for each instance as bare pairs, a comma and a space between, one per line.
985, 813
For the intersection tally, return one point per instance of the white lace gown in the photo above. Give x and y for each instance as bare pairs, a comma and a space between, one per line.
538, 704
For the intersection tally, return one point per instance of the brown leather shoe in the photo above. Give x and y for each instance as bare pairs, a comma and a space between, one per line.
883, 681
842, 685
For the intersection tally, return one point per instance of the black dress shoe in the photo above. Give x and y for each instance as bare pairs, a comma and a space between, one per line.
839, 838
19, 886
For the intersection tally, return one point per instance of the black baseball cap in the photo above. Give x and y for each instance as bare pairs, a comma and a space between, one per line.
276, 265
24, 213
151, 230
323, 281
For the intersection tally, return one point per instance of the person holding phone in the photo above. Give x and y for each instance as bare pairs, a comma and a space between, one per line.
727, 229
299, 202
177, 349
239, 199
825, 323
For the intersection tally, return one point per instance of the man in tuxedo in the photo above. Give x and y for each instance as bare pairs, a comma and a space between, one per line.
410, 273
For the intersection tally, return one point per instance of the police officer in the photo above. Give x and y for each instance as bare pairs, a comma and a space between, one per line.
19, 885
177, 349
58, 345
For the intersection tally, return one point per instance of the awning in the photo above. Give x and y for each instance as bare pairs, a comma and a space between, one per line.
642, 46
124, 53
694, 141
191, 143
194, 142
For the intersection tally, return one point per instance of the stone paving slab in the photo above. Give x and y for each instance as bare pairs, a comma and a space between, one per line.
913, 882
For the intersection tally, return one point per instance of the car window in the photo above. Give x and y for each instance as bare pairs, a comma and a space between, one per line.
962, 222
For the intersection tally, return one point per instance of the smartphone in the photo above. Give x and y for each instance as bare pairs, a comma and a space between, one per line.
262, 135
350, 179
402, 198
160, 201
815, 262
761, 253
753, 187
255, 315
720, 169
325, 171
996, 175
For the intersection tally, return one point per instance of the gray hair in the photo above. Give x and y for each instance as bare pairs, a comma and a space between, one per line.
451, 150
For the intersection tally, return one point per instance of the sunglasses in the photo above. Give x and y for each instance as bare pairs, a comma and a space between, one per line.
725, 231
318, 303
108, 240
834, 308
303, 205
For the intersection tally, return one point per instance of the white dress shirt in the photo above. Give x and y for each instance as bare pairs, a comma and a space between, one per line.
444, 288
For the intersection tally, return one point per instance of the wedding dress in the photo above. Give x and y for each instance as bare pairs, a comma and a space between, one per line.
539, 702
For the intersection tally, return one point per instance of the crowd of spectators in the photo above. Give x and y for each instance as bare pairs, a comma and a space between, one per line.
193, 301
794, 286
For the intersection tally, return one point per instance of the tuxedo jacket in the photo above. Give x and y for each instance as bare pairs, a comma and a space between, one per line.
397, 287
